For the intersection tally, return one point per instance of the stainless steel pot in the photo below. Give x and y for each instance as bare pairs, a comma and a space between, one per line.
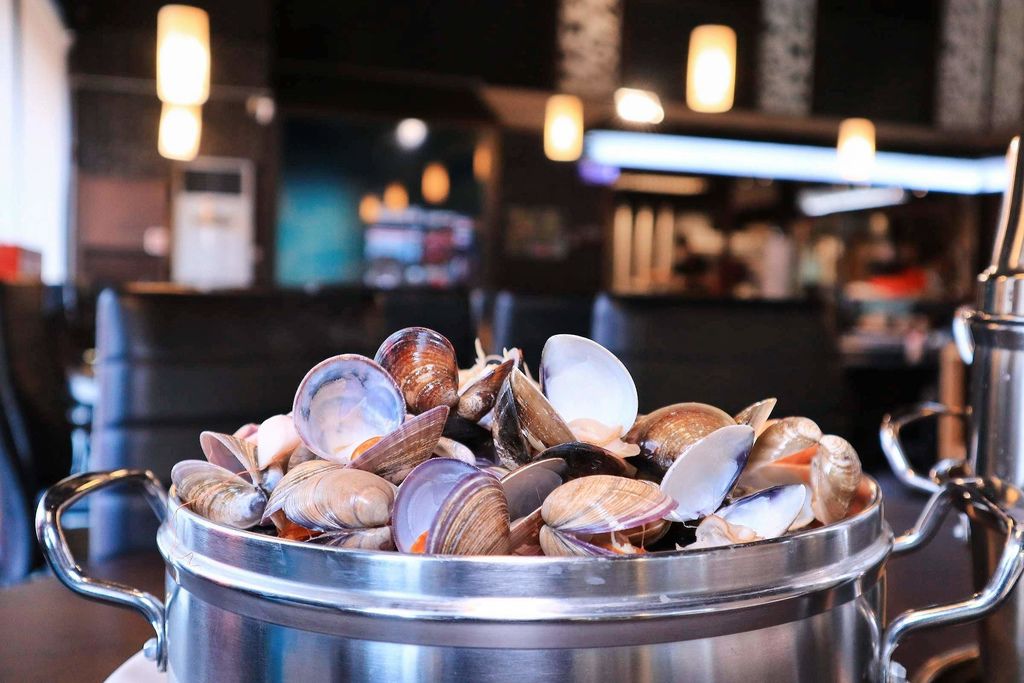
990, 338
806, 607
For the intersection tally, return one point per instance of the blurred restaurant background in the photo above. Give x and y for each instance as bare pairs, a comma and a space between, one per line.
740, 199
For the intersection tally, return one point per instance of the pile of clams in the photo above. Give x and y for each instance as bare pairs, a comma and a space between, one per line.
407, 452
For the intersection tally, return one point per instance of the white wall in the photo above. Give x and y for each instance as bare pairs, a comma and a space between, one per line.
35, 132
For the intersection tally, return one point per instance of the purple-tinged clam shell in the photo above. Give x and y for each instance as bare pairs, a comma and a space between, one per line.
342, 402
395, 455
769, 513
699, 480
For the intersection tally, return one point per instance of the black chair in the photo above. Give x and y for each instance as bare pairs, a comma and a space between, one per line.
527, 320
170, 365
446, 311
726, 353
33, 383
17, 547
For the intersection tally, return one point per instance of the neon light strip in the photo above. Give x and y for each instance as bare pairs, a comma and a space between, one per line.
747, 159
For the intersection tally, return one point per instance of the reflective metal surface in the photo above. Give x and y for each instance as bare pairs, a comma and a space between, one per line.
55, 502
805, 607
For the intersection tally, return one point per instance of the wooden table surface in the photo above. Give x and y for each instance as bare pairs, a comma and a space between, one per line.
48, 633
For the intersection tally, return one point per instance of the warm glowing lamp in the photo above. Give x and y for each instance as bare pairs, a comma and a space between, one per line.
638, 106
182, 54
483, 159
563, 128
180, 130
856, 149
435, 184
369, 208
711, 69
395, 197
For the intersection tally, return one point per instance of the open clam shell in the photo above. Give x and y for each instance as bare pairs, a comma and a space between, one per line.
784, 437
585, 381
668, 432
477, 399
524, 422
713, 531
584, 460
602, 503
835, 475
699, 480
528, 486
449, 507
424, 365
342, 402
395, 455
276, 438
217, 494
329, 497
232, 453
756, 414
769, 513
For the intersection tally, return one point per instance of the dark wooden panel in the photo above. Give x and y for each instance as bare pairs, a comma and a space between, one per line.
876, 59
510, 42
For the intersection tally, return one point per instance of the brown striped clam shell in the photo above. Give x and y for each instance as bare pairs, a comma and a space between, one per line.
424, 365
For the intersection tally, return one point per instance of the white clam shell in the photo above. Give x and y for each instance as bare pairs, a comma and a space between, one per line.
704, 474
584, 380
769, 513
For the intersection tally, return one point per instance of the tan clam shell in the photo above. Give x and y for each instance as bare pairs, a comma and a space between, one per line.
524, 421
478, 398
540, 421
602, 503
232, 453
524, 534
714, 531
782, 438
835, 475
217, 494
424, 365
326, 496
394, 456
554, 543
756, 414
668, 432
473, 520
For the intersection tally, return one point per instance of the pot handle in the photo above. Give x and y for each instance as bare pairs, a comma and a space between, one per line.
892, 445
962, 333
979, 498
51, 537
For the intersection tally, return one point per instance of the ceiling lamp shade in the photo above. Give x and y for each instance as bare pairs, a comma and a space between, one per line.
855, 150
435, 184
563, 128
711, 69
638, 106
180, 130
182, 55
395, 197
369, 208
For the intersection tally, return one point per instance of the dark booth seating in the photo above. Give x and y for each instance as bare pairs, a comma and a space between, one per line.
726, 353
527, 320
170, 365
33, 384
16, 538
